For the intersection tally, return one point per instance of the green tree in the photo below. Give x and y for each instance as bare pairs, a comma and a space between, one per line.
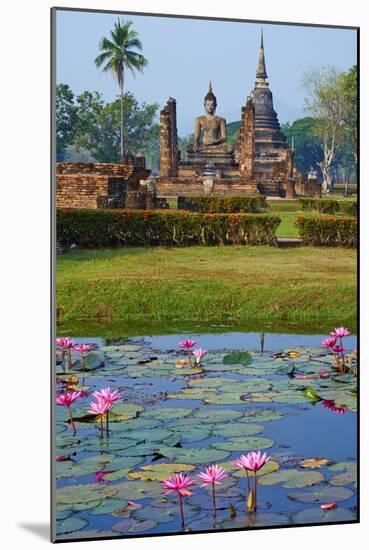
66, 118
307, 145
99, 130
349, 86
118, 54
325, 101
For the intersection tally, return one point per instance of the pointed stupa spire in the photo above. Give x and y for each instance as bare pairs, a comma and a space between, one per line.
261, 74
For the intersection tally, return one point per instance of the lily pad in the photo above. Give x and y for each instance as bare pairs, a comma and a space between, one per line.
84, 493
166, 413
195, 455
315, 462
261, 415
237, 429
250, 385
160, 472
124, 411
213, 416
244, 444
138, 489
106, 507
223, 399
247, 521
70, 525
209, 382
187, 434
130, 525
292, 478
193, 393
237, 358
322, 494
316, 515
348, 475
156, 434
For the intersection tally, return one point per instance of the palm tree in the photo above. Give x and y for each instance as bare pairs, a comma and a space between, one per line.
117, 55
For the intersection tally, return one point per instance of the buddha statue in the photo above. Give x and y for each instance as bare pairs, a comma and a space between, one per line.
210, 133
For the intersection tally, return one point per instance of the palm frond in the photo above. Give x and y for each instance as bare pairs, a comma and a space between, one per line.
100, 59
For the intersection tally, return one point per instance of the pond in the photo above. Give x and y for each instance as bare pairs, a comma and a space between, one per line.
278, 393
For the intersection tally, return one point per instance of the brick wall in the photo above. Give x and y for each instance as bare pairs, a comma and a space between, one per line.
96, 185
167, 187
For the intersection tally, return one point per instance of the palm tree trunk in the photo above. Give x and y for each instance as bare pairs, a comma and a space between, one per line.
121, 121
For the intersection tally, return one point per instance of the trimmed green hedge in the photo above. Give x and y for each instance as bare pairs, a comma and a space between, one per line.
329, 206
102, 228
210, 204
328, 230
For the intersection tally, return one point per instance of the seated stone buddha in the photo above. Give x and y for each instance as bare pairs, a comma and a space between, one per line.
210, 133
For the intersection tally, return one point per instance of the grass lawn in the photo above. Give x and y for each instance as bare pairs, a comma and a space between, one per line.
197, 283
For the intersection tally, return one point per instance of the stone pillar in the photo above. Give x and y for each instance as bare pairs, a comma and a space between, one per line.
289, 189
247, 142
289, 163
148, 187
313, 187
168, 140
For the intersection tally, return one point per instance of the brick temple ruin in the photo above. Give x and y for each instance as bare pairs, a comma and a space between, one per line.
106, 185
260, 162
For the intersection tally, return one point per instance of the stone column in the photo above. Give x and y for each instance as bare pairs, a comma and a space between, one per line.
247, 142
289, 163
168, 140
313, 187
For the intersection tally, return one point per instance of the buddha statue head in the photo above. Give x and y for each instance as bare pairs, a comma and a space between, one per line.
210, 101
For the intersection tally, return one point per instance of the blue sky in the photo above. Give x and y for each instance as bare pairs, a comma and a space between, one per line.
184, 54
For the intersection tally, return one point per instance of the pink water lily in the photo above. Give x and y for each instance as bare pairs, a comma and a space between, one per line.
329, 343
82, 349
334, 343
199, 354
329, 506
340, 332
252, 462
99, 477
338, 349
179, 483
107, 396
60, 342
213, 475
331, 405
66, 400
99, 407
68, 345
187, 344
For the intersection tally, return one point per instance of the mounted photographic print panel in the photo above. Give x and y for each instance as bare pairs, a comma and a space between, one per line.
205, 364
